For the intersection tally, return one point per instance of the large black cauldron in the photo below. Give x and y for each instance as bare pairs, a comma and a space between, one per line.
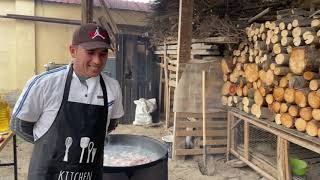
155, 170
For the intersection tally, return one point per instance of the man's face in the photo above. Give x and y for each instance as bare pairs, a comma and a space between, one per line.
88, 63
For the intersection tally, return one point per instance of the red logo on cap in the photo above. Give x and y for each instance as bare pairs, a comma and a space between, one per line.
97, 33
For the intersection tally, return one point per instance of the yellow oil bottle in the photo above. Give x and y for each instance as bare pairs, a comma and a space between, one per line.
4, 116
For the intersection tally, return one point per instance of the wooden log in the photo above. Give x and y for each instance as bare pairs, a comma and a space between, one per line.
273, 66
232, 89
277, 119
282, 26
318, 33
247, 101
237, 99
276, 38
289, 49
301, 22
304, 59
284, 107
300, 124
289, 26
264, 90
276, 106
263, 36
314, 99
314, 84
308, 75
272, 25
230, 101
258, 98
259, 83
286, 41
271, 79
225, 88
236, 52
315, 23
245, 90
260, 111
257, 60
226, 65
262, 76
287, 120
281, 70
316, 114
297, 41
242, 46
243, 58
306, 113
310, 37
278, 94
312, 128
298, 82
225, 78
289, 95
276, 31
277, 48
251, 72
301, 97
224, 100
239, 91
318, 92
283, 82
286, 33
267, 24
247, 109
262, 28
293, 110
269, 98
298, 31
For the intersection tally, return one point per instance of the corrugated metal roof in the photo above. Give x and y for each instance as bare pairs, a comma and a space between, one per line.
113, 4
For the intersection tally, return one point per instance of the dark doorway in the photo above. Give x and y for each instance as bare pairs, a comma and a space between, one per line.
137, 73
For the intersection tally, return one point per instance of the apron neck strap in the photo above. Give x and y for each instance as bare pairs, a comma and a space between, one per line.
68, 84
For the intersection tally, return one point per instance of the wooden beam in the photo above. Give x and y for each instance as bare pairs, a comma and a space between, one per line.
264, 12
109, 18
185, 30
87, 11
282, 159
184, 48
246, 137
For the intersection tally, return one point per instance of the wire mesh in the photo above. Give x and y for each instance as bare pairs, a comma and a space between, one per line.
263, 151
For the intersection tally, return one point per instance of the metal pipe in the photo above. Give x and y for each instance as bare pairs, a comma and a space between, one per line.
41, 19
67, 21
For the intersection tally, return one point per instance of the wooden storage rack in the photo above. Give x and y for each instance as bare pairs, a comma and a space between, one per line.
284, 136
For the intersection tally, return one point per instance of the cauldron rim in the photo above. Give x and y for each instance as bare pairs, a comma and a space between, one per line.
115, 169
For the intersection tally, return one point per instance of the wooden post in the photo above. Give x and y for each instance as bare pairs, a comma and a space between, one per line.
229, 135
246, 140
282, 159
87, 11
166, 86
184, 48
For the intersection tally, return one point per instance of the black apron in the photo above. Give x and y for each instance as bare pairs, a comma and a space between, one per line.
72, 149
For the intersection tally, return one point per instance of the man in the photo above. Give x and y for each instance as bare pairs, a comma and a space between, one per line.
65, 111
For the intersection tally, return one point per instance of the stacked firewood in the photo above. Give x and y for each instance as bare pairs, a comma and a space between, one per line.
275, 74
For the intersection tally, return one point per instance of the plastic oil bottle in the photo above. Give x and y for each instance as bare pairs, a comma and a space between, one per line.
4, 115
